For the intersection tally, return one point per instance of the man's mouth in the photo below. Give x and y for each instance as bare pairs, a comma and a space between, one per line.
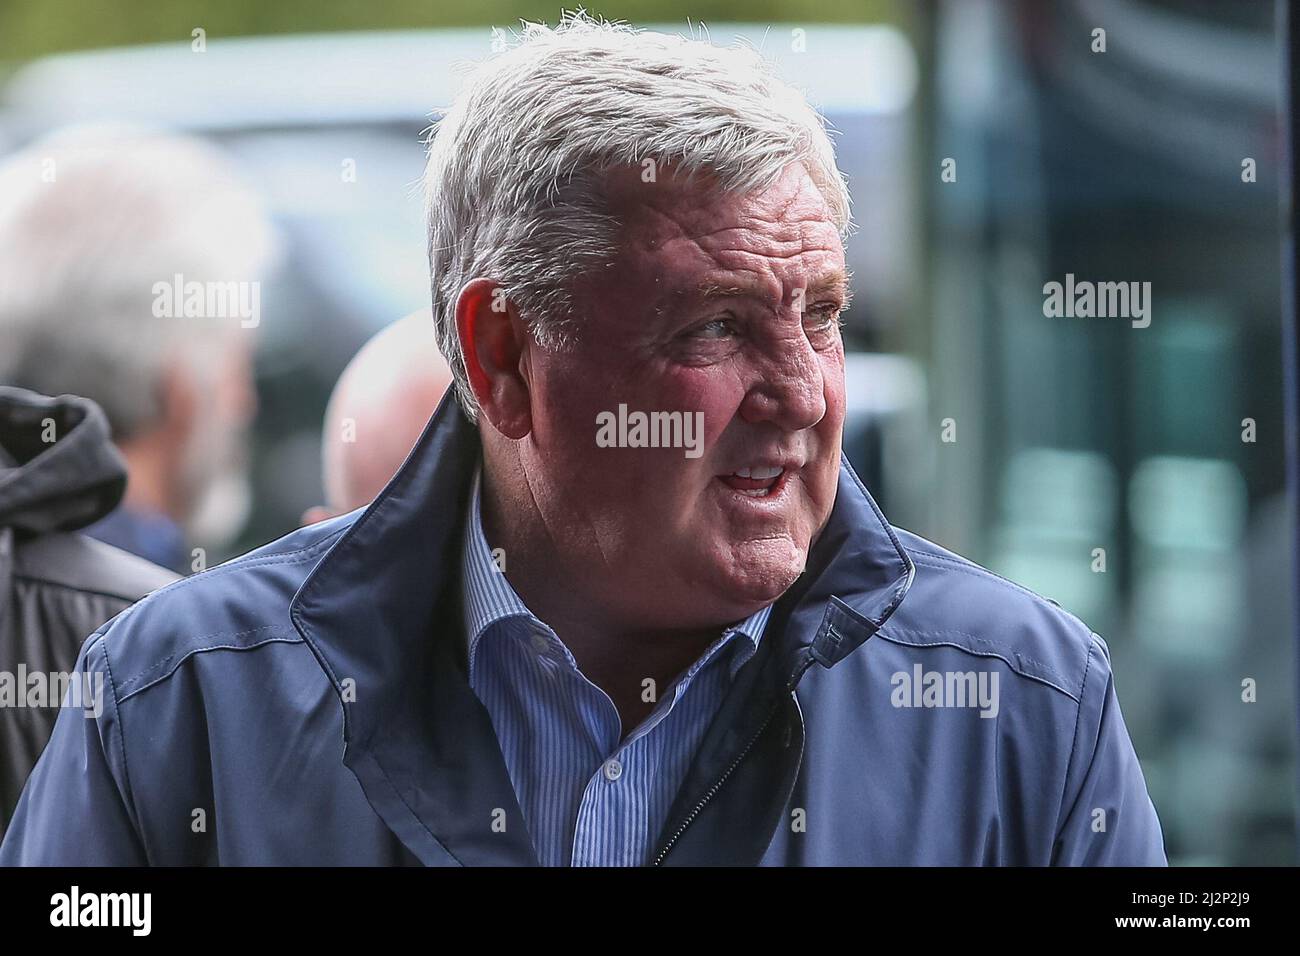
757, 482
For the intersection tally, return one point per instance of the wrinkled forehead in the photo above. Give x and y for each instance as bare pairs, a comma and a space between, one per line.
691, 238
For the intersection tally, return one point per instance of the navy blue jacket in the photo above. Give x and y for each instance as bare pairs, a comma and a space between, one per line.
307, 704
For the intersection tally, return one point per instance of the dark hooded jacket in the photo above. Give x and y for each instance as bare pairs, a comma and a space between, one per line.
58, 472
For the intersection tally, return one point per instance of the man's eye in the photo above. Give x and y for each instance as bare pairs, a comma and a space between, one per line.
823, 318
713, 329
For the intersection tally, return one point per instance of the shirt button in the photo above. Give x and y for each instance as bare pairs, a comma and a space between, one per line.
613, 770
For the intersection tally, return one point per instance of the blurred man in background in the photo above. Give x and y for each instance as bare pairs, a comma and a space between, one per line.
58, 473
376, 412
129, 262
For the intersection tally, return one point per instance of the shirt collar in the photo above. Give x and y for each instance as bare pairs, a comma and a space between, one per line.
489, 598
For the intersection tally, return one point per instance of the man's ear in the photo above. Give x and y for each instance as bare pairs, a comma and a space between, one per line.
494, 341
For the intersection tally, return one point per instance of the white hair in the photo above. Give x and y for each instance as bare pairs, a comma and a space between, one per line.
513, 186
90, 219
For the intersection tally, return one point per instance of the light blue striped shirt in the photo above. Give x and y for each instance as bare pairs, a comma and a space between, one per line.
587, 799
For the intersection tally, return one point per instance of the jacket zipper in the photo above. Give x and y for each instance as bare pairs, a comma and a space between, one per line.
805, 663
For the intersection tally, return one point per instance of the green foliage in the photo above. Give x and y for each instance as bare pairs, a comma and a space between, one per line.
30, 28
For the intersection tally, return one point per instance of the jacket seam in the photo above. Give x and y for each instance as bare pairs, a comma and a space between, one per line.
939, 642
1074, 746
189, 652
296, 556
975, 570
411, 810
121, 744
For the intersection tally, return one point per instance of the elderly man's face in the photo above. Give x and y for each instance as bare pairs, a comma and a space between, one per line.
722, 304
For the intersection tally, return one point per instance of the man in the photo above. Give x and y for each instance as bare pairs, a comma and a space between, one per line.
99, 226
58, 473
553, 640
378, 408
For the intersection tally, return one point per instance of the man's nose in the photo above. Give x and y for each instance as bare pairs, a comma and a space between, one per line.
789, 389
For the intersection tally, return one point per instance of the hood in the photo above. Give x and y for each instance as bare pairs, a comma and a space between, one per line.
58, 469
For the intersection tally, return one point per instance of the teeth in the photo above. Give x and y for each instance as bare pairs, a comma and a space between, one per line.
761, 474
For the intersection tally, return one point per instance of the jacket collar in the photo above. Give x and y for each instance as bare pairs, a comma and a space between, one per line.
381, 611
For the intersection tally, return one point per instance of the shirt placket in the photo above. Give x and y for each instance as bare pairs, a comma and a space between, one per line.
611, 819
